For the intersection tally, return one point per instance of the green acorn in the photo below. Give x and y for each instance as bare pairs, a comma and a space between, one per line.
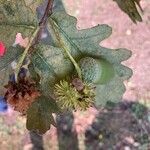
75, 95
97, 71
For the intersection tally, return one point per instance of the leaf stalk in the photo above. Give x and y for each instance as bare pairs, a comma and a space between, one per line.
60, 41
25, 52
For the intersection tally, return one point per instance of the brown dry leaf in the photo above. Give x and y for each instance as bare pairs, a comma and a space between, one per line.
22, 94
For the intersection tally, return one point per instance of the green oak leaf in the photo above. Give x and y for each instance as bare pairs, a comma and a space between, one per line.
11, 54
15, 18
33, 4
39, 115
51, 62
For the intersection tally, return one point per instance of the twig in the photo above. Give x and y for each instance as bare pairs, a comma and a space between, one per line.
42, 23
25, 52
48, 11
55, 28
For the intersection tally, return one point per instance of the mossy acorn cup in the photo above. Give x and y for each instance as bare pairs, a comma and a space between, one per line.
97, 71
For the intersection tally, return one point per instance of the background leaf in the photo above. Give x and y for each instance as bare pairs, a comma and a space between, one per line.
129, 7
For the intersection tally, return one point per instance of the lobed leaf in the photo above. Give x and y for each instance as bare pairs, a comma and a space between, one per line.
83, 43
39, 115
15, 18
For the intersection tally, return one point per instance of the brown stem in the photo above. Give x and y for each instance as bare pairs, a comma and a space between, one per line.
42, 23
48, 11
36, 35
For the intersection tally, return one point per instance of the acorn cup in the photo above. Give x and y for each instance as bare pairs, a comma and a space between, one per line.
74, 95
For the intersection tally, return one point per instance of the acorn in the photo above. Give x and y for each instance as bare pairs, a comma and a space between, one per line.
97, 71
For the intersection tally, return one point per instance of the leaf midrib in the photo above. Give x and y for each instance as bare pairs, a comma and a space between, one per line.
66, 35
45, 62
